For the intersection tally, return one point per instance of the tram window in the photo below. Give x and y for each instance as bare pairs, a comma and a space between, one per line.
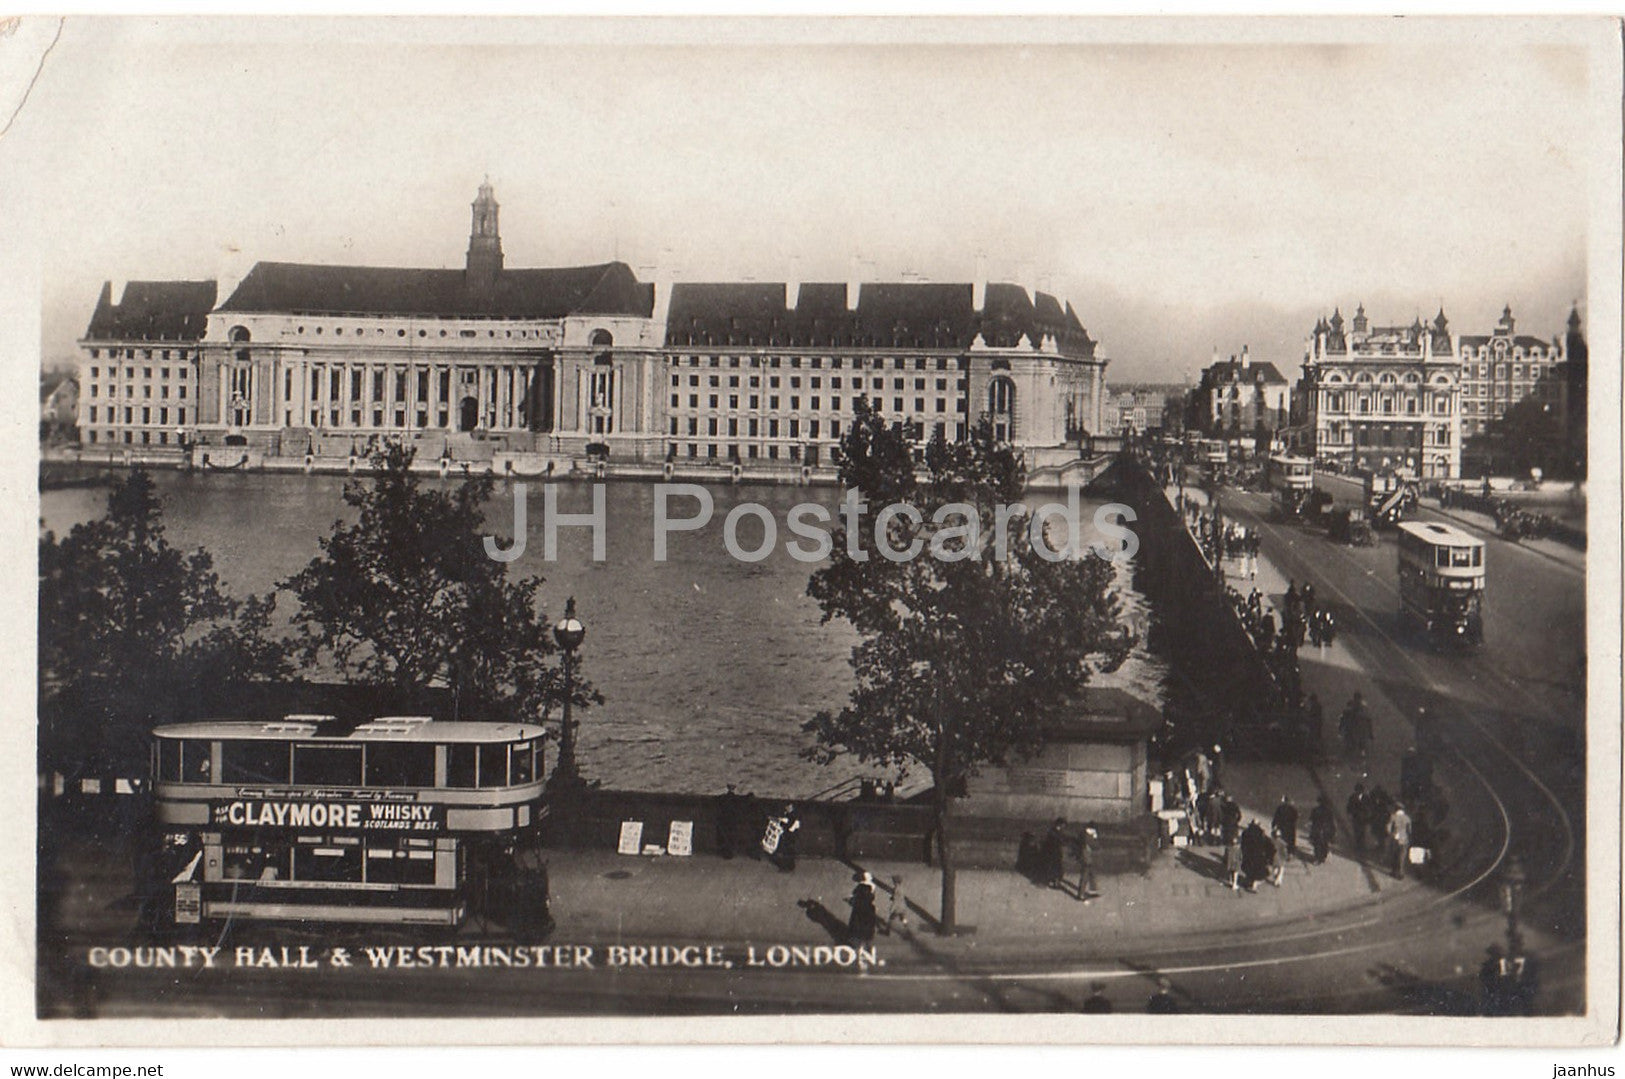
400, 867
522, 763
169, 760
254, 762
460, 764
338, 766
254, 863
400, 764
1478, 556
327, 863
196, 765
494, 765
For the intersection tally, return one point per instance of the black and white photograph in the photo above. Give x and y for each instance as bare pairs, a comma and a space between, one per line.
1035, 529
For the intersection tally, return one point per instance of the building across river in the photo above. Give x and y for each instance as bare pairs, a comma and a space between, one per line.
300, 360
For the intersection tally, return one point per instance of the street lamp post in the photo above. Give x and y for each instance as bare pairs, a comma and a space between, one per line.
1513, 880
569, 633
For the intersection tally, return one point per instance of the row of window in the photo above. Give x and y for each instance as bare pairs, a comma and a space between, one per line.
146, 372
1337, 402
814, 404
834, 363
129, 438
462, 765
146, 354
734, 451
93, 414
129, 392
335, 859
816, 382
361, 331
1363, 435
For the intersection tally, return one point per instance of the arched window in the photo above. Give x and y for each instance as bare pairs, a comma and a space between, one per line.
602, 338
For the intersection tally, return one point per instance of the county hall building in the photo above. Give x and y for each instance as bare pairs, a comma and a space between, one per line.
488, 363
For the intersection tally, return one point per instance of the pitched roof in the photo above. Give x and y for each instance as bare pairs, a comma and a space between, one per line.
1227, 371
895, 314
300, 288
153, 311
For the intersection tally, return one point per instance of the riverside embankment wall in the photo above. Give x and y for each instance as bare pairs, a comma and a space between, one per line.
1220, 674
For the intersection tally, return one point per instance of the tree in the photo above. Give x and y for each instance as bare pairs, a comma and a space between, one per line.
963, 654
133, 631
1528, 435
407, 597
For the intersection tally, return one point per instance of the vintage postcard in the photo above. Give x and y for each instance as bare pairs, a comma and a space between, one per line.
1038, 530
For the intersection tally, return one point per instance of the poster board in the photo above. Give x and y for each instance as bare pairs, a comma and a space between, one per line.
631, 837
680, 838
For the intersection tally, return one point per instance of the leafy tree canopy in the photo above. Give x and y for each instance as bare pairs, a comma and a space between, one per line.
134, 630
963, 654
406, 596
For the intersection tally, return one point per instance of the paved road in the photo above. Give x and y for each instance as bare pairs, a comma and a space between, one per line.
1514, 709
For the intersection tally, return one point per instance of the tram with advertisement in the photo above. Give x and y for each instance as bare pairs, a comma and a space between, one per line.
1441, 582
1292, 481
397, 820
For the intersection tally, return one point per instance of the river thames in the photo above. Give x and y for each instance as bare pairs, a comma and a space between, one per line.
708, 665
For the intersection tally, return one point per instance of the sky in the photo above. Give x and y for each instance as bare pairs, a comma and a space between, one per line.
1185, 196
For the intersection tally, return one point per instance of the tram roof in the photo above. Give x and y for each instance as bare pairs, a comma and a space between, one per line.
330, 728
1435, 532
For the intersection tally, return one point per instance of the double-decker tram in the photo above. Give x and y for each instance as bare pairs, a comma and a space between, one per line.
1292, 479
1213, 452
396, 820
1441, 581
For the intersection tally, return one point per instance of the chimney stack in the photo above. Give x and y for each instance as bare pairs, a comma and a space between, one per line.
792, 285
663, 277
853, 280
978, 288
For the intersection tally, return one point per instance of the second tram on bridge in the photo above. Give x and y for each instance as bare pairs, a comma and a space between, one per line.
1441, 581
1292, 480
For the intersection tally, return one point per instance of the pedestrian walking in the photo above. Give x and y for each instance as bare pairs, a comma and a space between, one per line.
1322, 829
1087, 844
779, 841
727, 821
1285, 825
1052, 854
1097, 1004
1399, 839
1232, 866
1230, 817
897, 913
1213, 816
1314, 718
1162, 1002
860, 926
1257, 852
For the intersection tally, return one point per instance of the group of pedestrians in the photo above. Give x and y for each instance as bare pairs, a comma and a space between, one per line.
1046, 863
865, 920
1377, 815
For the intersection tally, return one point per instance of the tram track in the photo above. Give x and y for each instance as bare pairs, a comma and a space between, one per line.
1396, 651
